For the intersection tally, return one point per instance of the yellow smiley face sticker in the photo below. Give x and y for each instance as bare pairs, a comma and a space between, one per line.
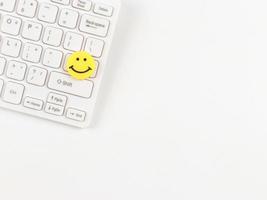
81, 65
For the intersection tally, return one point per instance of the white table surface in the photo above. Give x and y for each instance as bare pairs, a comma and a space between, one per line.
181, 115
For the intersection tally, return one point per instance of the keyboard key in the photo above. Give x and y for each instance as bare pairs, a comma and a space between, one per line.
16, 70
63, 2
52, 58
32, 52
52, 36
2, 65
94, 47
103, 9
73, 41
82, 4
32, 103
64, 83
11, 47
11, 25
57, 99
48, 13
27, 8
32, 31
37, 76
54, 109
13, 93
68, 18
7, 5
96, 69
75, 114
1, 85
94, 25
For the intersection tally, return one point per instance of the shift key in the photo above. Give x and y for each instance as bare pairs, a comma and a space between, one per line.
65, 83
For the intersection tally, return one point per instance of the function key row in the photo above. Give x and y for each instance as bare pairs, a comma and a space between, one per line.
99, 8
30, 6
68, 18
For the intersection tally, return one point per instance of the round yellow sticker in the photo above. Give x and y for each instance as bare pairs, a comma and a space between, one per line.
81, 65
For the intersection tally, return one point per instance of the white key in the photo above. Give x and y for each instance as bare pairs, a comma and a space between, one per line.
2, 65
48, 13
31, 52
103, 9
57, 99
96, 69
37, 76
54, 109
63, 2
32, 31
73, 41
11, 25
75, 114
7, 5
13, 93
68, 18
82, 4
32, 103
52, 58
64, 83
94, 25
1, 85
11, 47
16, 70
94, 47
65, 61
27, 8
52, 36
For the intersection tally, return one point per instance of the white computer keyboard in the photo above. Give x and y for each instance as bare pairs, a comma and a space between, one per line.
37, 36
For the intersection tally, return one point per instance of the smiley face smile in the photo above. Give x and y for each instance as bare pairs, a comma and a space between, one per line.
81, 65
80, 72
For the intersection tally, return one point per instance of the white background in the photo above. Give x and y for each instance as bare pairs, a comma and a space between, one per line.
181, 115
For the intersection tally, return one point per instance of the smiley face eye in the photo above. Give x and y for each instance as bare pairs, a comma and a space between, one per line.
85, 59
77, 59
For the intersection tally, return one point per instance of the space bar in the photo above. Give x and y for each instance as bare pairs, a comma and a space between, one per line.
64, 83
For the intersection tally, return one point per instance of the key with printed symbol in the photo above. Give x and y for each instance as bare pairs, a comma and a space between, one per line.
57, 99
68, 18
27, 8
32, 31
7, 5
54, 109
64, 83
75, 114
32, 52
16, 70
103, 9
73, 41
52, 36
94, 25
37, 76
2, 65
13, 93
94, 47
52, 58
32, 103
82, 4
47, 13
63, 2
11, 25
11, 47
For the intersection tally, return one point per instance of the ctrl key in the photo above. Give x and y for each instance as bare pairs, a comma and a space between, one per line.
13, 93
